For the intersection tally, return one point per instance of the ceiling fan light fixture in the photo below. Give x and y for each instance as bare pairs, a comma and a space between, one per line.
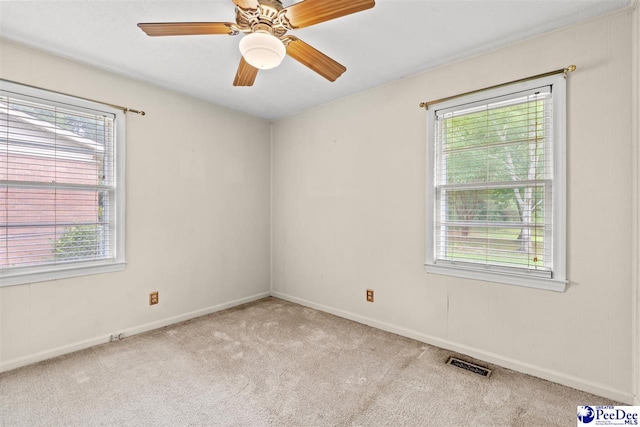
262, 50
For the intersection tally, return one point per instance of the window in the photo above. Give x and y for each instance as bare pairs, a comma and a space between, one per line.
496, 185
61, 186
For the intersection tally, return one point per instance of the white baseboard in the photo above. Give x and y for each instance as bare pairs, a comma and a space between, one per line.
81, 345
516, 365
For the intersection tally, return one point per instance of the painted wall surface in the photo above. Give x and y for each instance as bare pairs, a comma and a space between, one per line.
197, 217
349, 214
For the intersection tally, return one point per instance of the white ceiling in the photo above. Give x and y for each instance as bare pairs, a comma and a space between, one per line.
395, 39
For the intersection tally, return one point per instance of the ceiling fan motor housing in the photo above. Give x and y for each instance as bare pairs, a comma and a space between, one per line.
266, 17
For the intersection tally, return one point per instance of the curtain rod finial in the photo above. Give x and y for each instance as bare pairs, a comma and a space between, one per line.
569, 69
139, 112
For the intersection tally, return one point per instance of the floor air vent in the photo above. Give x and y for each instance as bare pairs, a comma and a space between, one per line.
480, 370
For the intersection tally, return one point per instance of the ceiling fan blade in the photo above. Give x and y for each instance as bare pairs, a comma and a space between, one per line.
247, 4
314, 59
246, 74
186, 28
310, 12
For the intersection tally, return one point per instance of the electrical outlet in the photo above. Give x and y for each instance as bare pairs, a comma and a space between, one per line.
116, 337
153, 298
369, 295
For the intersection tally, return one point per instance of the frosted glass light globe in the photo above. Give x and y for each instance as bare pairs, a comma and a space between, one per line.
262, 50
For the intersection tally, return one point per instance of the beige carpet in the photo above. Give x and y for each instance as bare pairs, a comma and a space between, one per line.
275, 363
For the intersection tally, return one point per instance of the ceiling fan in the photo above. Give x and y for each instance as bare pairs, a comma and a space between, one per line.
265, 24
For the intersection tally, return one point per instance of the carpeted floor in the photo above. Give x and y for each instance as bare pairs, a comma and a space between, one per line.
275, 363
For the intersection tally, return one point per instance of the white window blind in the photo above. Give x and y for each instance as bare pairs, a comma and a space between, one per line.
59, 186
494, 170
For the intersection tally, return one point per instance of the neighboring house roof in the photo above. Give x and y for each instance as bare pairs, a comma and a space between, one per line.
25, 134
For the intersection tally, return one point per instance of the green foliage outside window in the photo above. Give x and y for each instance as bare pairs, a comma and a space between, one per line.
77, 243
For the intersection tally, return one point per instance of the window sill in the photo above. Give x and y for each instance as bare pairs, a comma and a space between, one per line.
509, 279
47, 273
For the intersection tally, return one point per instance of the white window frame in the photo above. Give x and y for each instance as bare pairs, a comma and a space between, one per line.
558, 280
40, 273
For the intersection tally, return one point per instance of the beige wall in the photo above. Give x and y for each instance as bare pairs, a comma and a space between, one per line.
349, 214
197, 220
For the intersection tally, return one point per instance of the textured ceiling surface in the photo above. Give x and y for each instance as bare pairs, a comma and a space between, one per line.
395, 39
